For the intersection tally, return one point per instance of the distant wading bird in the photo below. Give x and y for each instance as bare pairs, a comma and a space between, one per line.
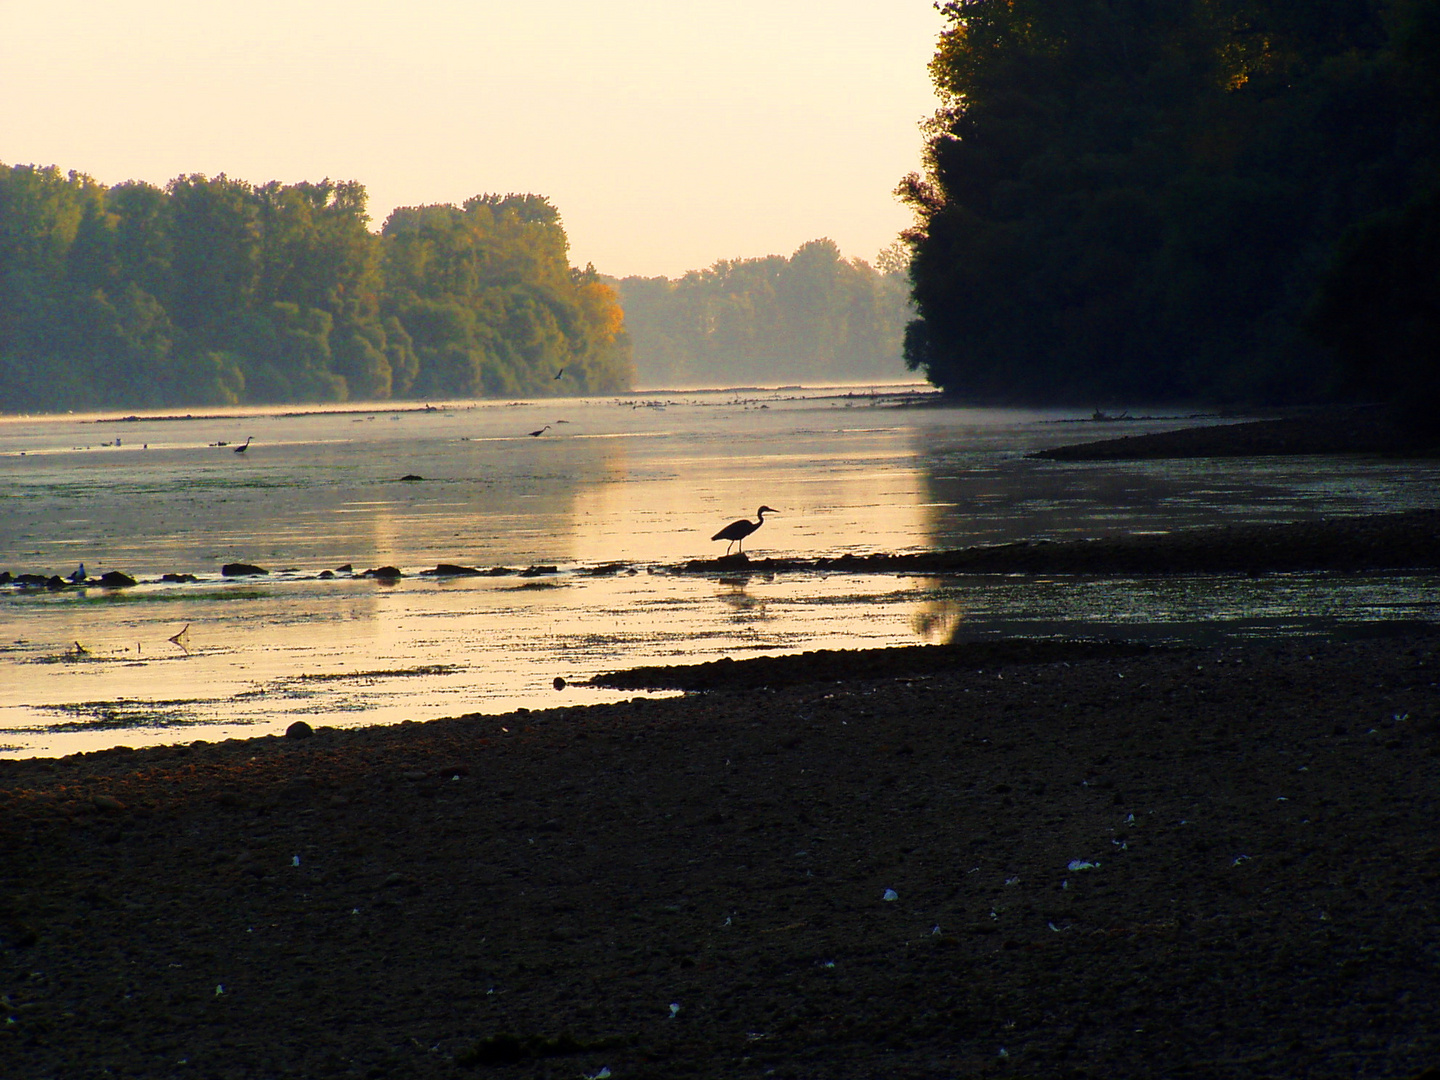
536, 434
736, 531
246, 446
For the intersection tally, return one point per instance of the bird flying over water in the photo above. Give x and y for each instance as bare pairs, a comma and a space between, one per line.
736, 531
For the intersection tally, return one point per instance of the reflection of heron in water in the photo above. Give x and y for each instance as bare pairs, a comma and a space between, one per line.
735, 595
246, 446
535, 434
736, 531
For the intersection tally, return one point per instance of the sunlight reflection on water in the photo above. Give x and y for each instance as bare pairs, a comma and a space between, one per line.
615, 480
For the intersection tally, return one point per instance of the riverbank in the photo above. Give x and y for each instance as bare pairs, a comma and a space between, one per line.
1371, 431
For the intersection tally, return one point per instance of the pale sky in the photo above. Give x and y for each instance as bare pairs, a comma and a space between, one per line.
669, 134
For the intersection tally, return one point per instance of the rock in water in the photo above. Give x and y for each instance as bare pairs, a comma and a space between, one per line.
240, 569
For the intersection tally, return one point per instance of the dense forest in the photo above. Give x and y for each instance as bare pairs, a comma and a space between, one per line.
814, 317
1143, 200
215, 291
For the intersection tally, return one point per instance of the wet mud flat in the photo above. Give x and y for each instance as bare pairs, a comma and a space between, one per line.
1150, 864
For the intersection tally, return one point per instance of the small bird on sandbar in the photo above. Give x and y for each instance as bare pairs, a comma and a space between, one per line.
736, 531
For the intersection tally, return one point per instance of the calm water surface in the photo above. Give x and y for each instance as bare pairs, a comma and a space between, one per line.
642, 482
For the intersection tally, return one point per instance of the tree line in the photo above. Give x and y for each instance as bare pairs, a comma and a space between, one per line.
814, 317
213, 291
1141, 200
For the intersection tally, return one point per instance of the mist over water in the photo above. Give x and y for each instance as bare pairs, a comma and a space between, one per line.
638, 481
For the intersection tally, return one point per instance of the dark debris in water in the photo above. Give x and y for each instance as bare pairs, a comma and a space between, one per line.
124, 713
392, 673
608, 569
452, 570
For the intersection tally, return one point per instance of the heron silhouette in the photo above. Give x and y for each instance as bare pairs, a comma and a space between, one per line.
246, 446
736, 531
537, 434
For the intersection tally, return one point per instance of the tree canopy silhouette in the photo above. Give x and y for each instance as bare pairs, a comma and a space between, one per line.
1128, 201
216, 291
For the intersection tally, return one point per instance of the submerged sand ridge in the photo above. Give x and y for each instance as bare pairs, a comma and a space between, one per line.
1406, 540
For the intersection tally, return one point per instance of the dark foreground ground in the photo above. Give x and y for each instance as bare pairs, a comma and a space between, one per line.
1015, 860
532, 894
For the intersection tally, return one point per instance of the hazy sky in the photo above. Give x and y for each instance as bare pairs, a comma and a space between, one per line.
669, 133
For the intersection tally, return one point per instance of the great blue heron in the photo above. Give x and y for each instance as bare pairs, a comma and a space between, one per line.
542, 431
736, 531
246, 446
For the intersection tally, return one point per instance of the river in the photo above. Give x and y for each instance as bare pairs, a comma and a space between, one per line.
613, 494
